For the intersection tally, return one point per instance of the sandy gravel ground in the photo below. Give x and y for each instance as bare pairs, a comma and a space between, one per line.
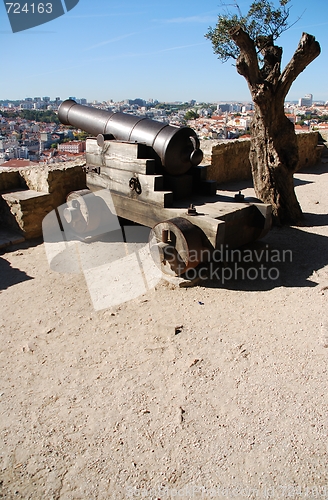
212, 391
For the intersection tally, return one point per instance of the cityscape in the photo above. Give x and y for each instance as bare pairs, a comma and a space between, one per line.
30, 131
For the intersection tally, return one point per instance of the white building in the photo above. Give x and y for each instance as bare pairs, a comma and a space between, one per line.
26, 105
21, 153
72, 147
306, 100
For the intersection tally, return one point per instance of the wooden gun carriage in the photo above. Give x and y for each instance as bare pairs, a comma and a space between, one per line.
153, 174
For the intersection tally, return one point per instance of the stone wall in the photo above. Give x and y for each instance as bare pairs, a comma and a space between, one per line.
230, 162
27, 195
11, 179
309, 153
323, 141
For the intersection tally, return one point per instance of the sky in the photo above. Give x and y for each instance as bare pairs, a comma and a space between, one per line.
102, 50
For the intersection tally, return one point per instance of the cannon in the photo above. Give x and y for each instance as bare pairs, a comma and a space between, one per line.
153, 173
177, 148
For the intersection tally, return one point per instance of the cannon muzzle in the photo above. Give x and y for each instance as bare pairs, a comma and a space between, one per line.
176, 147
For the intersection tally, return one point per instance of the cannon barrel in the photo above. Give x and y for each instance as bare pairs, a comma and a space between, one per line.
176, 147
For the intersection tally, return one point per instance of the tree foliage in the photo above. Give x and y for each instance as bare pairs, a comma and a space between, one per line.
47, 116
81, 136
191, 115
262, 20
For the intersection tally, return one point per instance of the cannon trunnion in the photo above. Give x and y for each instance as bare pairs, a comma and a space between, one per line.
152, 172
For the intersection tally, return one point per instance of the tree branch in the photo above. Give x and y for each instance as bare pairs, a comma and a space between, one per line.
308, 49
247, 63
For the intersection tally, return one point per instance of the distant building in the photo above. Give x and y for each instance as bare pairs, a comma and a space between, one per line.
306, 100
10, 154
45, 141
14, 163
21, 153
72, 147
45, 137
57, 136
223, 107
235, 108
26, 105
247, 107
137, 102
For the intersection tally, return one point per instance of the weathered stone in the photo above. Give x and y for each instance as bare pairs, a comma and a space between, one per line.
29, 209
10, 179
308, 153
29, 194
230, 161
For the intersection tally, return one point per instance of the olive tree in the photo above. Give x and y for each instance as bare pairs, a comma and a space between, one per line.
250, 40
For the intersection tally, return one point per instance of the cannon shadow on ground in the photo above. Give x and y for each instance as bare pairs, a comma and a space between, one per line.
294, 256
309, 250
10, 276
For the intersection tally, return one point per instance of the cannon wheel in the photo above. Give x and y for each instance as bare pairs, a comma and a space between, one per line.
176, 245
82, 212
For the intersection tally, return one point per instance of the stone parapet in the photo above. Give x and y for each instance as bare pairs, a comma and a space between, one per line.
230, 158
29, 209
229, 161
308, 150
27, 195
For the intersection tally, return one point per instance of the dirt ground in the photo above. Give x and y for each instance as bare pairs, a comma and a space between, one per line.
213, 391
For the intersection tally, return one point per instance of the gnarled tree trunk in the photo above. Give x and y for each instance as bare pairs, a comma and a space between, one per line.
274, 158
274, 150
